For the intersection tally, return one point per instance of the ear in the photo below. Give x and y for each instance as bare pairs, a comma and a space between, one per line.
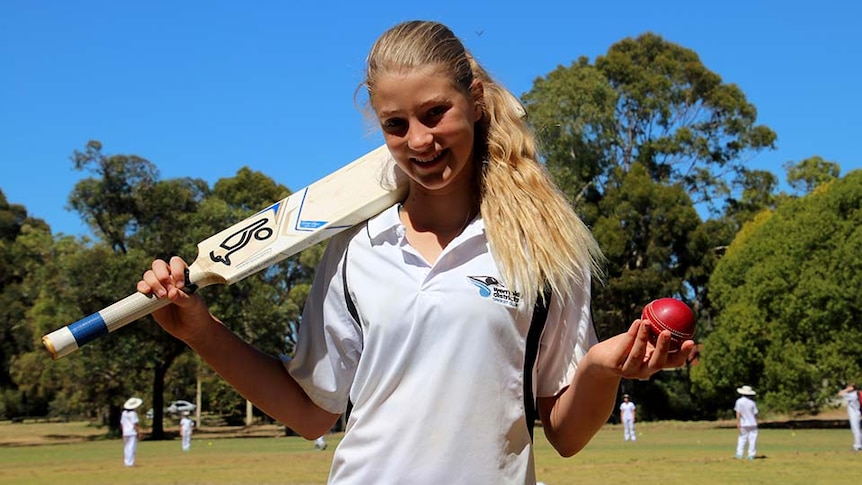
477, 91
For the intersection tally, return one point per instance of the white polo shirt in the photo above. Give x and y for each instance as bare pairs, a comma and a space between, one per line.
435, 366
747, 409
627, 409
852, 400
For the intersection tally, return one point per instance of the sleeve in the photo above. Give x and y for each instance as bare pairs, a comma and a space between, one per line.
569, 334
329, 343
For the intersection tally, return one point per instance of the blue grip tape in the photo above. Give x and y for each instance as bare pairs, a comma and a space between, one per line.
88, 329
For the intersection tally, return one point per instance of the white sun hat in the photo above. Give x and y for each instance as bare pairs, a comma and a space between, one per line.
133, 403
746, 391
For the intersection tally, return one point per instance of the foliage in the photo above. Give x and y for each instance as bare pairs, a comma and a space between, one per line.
637, 140
808, 174
788, 293
17, 260
137, 217
646, 101
644, 230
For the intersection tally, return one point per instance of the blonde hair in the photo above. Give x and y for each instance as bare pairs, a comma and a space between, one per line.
534, 234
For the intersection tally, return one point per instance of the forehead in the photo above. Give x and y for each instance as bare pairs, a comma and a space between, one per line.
401, 89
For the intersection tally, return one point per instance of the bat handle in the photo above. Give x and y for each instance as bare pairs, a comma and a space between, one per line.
68, 339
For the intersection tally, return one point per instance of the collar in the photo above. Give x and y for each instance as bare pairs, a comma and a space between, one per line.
387, 225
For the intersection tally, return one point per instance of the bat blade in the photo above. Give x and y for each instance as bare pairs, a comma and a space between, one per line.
347, 197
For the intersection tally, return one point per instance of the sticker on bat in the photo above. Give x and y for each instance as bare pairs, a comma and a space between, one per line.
259, 230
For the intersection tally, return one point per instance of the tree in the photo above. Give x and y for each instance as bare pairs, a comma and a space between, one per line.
652, 104
262, 309
125, 201
757, 194
15, 264
111, 204
648, 101
808, 174
637, 140
644, 228
788, 293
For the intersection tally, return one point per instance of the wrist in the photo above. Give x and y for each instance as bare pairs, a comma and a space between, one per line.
598, 371
204, 333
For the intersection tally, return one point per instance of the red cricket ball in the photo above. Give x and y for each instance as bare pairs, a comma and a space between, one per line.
669, 314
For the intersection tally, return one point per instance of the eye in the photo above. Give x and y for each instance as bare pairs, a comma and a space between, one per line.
437, 111
393, 126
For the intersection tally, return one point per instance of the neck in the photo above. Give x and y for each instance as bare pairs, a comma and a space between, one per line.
438, 215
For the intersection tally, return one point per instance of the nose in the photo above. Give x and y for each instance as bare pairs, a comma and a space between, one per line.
419, 137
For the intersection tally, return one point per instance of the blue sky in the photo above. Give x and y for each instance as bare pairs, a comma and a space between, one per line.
203, 88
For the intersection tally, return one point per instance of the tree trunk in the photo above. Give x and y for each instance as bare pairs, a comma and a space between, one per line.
198, 399
158, 430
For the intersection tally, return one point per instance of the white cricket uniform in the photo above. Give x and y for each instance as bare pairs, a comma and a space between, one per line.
435, 368
747, 409
186, 425
627, 411
853, 413
128, 422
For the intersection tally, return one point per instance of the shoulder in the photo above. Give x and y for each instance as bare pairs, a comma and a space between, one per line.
378, 229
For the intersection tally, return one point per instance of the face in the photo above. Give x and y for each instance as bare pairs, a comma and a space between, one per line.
428, 125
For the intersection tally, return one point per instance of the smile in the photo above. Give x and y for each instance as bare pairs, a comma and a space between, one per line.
429, 160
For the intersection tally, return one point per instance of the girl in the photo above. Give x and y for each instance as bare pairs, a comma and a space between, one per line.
421, 317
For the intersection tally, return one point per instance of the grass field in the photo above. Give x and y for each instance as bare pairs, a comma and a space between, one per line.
665, 453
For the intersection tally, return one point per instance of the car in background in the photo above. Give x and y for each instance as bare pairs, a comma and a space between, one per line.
175, 408
180, 407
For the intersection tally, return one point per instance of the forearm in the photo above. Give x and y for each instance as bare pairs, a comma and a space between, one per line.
263, 380
571, 419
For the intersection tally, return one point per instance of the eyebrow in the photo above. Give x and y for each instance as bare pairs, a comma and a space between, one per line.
429, 103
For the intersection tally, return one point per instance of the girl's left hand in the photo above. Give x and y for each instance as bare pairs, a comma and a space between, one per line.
630, 355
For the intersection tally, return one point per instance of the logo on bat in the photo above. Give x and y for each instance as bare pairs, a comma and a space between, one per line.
259, 230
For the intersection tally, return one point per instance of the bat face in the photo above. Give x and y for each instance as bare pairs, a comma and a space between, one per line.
339, 201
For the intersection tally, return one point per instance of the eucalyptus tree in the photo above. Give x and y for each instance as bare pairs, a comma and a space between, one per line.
648, 117
638, 140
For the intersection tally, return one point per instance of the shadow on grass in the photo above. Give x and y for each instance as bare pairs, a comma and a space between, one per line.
799, 424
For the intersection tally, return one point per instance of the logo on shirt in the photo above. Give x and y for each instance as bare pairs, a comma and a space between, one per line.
490, 287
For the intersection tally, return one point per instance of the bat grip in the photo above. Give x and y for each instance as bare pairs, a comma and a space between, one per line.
68, 339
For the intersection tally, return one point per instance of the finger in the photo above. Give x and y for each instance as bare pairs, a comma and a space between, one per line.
634, 361
680, 358
144, 287
178, 272
662, 350
152, 280
641, 342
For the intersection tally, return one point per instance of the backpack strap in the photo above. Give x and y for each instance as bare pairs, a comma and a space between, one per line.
534, 336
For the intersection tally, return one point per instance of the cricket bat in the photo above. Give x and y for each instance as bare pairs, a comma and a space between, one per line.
342, 199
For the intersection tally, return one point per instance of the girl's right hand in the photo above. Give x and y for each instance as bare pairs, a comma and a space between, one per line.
187, 316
